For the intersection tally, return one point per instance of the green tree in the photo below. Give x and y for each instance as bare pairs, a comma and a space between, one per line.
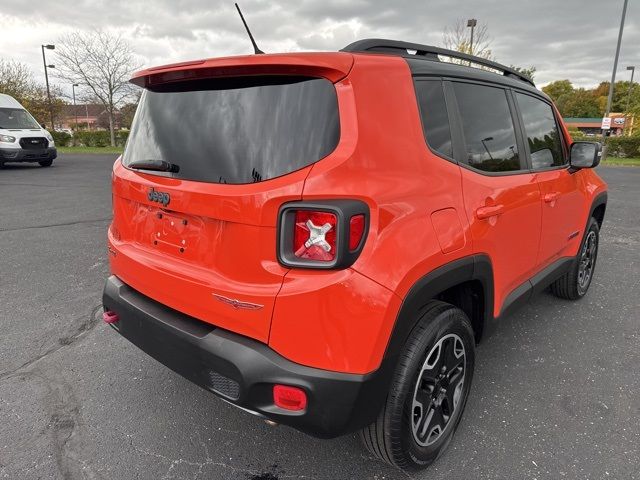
558, 88
579, 103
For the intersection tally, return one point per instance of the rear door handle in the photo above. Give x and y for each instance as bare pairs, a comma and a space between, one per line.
551, 197
488, 212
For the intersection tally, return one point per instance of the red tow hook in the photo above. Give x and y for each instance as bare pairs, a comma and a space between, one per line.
110, 317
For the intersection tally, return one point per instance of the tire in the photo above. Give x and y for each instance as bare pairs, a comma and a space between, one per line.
574, 284
400, 435
46, 163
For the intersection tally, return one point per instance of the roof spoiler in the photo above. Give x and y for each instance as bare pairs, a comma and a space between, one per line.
332, 66
428, 52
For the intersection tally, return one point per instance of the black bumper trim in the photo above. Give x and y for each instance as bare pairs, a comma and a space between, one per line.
26, 155
337, 403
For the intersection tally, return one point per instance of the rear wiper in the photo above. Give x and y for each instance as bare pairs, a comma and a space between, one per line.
156, 165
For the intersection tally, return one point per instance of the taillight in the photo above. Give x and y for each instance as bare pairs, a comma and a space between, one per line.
327, 234
314, 236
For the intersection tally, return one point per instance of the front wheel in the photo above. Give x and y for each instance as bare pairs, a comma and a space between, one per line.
428, 392
46, 163
574, 284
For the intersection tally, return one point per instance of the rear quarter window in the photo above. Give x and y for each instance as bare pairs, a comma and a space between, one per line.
239, 130
434, 116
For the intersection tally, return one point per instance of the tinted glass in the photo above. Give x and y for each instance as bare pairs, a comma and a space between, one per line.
542, 132
16, 118
433, 110
488, 128
239, 130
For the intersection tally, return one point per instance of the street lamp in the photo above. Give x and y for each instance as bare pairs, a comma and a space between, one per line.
626, 110
472, 22
615, 67
75, 112
484, 140
46, 77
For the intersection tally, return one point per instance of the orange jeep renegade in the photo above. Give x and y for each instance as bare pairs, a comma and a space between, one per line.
321, 238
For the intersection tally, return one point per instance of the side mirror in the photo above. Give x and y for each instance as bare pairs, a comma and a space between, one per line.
585, 154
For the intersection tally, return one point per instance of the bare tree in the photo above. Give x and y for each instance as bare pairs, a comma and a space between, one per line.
15, 78
103, 63
458, 37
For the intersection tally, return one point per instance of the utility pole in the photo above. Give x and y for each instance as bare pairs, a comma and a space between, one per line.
615, 66
471, 23
46, 78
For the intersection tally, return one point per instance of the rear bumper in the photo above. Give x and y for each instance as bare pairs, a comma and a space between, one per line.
243, 371
23, 155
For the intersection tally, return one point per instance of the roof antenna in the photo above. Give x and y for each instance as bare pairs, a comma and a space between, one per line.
256, 50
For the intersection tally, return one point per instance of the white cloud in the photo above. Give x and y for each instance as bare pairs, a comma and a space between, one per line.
572, 39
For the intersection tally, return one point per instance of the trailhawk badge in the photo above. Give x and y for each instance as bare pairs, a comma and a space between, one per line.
237, 303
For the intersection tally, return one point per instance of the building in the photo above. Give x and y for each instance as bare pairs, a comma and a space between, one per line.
92, 115
591, 126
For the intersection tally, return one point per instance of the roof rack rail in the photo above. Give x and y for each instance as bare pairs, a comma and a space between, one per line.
428, 52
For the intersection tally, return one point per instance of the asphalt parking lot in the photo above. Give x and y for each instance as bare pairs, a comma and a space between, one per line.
556, 392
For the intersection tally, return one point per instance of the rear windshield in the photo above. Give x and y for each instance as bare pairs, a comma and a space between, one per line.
241, 130
16, 118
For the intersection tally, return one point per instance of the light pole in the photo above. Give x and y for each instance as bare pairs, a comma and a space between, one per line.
46, 78
615, 66
472, 22
488, 139
626, 110
75, 112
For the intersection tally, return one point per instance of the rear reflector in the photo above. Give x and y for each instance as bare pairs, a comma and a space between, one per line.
314, 237
289, 398
356, 229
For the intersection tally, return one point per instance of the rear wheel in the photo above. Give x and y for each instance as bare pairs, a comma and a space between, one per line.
575, 283
428, 392
46, 163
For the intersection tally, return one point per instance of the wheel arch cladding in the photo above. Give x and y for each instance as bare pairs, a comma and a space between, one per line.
598, 208
474, 271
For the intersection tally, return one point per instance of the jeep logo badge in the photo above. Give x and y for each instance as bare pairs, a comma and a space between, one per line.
160, 197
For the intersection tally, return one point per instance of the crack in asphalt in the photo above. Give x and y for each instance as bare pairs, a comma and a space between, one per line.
210, 462
79, 327
50, 225
61, 403
65, 420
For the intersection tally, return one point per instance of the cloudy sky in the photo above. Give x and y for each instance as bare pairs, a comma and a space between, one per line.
572, 39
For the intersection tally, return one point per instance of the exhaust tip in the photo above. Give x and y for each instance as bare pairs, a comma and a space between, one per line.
271, 423
110, 316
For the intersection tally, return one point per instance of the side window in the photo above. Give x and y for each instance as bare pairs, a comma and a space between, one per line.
488, 128
433, 111
542, 132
